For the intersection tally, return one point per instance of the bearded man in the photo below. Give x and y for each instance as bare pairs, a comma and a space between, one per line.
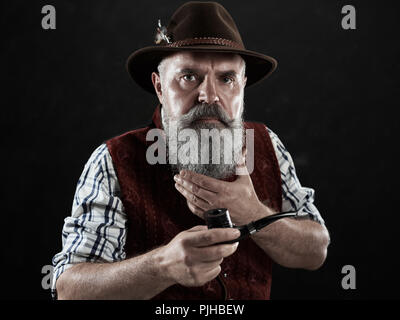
137, 229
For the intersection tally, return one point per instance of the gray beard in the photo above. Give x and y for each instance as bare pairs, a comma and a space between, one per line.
220, 170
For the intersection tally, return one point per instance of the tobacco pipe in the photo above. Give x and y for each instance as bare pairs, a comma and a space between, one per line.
220, 218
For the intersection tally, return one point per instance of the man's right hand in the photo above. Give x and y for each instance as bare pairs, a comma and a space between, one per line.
193, 258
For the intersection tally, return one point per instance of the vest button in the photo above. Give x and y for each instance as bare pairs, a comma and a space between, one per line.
225, 275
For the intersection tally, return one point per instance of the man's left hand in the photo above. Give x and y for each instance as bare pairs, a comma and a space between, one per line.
203, 193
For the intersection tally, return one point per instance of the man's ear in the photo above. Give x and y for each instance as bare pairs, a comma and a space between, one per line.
155, 78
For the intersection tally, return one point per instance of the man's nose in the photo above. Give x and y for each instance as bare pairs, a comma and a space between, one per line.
208, 91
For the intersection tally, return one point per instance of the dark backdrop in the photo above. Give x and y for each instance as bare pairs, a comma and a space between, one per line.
332, 101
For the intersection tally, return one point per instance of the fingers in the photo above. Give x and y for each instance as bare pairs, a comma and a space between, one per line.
192, 258
197, 228
203, 264
204, 196
191, 197
242, 159
205, 182
214, 253
196, 210
209, 270
209, 237
241, 169
199, 277
213, 273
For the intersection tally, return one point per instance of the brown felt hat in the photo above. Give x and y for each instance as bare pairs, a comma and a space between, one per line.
201, 27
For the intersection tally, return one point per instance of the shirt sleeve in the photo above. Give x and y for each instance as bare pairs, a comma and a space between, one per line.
96, 229
295, 197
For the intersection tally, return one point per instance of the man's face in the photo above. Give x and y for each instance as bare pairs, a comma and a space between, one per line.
203, 92
190, 78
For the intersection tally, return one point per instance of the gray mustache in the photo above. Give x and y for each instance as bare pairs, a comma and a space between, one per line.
205, 110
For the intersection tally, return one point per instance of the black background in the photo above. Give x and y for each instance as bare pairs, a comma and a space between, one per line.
332, 102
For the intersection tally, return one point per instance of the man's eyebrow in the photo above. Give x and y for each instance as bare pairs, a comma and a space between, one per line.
188, 70
229, 73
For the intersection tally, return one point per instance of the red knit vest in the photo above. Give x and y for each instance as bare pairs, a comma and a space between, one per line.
157, 212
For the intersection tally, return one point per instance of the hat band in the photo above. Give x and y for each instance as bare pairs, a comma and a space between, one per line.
206, 40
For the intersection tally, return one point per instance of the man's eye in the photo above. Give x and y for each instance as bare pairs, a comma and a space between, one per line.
189, 77
227, 80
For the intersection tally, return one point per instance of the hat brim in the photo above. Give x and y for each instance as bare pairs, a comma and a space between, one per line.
143, 62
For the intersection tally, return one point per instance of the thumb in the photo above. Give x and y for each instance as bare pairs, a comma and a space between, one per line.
241, 168
242, 159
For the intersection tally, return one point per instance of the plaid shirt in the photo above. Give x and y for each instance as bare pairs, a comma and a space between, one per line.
96, 229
